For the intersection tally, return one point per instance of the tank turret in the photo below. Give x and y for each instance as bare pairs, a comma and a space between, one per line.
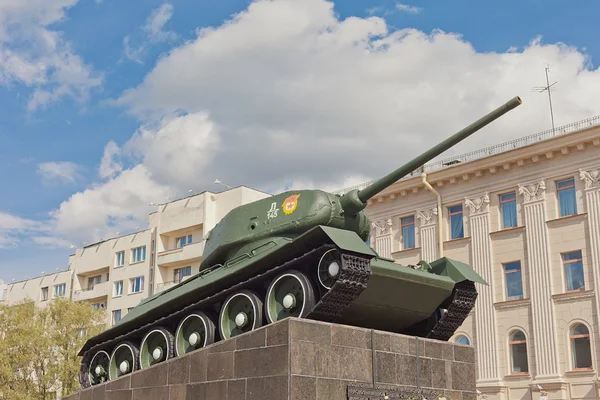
296, 254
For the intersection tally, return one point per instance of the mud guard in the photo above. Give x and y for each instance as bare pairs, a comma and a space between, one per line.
455, 270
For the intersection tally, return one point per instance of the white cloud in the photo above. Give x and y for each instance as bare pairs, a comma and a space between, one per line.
12, 227
153, 32
62, 171
109, 165
287, 95
407, 8
33, 54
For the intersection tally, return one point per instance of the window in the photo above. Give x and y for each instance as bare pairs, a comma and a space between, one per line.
456, 222
181, 273
573, 266
129, 309
508, 210
98, 306
118, 289
138, 254
137, 284
408, 232
566, 197
116, 316
462, 339
182, 241
514, 280
580, 347
120, 259
518, 352
60, 290
94, 280
45, 293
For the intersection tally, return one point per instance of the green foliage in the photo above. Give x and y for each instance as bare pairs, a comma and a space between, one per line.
39, 346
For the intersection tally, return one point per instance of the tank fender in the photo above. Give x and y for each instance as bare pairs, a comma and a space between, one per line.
454, 269
347, 240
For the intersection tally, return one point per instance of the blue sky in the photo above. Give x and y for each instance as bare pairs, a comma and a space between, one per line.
116, 104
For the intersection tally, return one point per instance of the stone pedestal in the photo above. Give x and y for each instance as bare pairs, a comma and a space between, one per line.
299, 359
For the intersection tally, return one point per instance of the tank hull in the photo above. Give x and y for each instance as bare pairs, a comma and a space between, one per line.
369, 292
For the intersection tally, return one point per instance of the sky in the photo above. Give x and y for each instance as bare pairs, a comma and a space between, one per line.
107, 105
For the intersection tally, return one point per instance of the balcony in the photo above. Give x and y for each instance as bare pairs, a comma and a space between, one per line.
98, 290
181, 256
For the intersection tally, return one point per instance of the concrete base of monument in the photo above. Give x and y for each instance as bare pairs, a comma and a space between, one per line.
304, 359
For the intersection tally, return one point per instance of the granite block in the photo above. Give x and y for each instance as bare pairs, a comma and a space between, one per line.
179, 371
251, 340
198, 366
312, 331
122, 383
275, 387
177, 392
222, 346
236, 389
219, 366
438, 374
99, 392
464, 354
86, 394
303, 388
264, 361
463, 376
74, 396
406, 367
119, 395
385, 367
154, 393
195, 391
432, 349
349, 336
425, 372
403, 345
331, 389
216, 390
278, 333
153, 376
382, 341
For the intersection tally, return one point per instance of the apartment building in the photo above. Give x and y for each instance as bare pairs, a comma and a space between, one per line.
117, 273
526, 216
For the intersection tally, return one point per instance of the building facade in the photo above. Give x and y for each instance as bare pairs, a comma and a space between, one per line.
117, 273
527, 219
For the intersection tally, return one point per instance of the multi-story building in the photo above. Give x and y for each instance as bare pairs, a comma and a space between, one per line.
117, 273
526, 216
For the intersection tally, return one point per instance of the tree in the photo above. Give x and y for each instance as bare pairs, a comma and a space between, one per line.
39, 346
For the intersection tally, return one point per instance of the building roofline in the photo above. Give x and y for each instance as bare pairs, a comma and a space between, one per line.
489, 151
36, 277
113, 238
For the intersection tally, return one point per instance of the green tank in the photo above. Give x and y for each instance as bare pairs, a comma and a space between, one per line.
298, 254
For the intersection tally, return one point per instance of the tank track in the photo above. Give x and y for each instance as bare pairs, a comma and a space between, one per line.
463, 301
354, 274
353, 278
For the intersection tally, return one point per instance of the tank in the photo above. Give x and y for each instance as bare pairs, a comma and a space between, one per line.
300, 254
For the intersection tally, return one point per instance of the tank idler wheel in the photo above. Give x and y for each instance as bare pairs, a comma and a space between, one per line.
329, 268
98, 368
290, 294
240, 313
156, 347
194, 331
123, 361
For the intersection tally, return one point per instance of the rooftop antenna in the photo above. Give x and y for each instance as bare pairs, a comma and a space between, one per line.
218, 182
548, 87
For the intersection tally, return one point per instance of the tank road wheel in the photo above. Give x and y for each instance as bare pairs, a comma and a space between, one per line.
289, 295
329, 268
157, 346
123, 361
241, 313
98, 368
194, 331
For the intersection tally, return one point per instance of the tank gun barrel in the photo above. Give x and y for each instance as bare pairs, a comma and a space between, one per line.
356, 200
